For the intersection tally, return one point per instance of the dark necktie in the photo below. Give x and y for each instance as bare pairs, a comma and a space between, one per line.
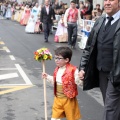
109, 22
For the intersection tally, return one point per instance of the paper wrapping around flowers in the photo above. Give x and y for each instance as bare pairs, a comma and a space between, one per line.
42, 54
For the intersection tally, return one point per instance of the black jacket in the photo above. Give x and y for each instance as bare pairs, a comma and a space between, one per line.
88, 59
47, 18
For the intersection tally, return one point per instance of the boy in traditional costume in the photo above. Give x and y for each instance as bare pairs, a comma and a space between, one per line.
65, 80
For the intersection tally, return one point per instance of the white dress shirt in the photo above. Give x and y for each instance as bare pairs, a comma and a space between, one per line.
47, 9
59, 75
116, 16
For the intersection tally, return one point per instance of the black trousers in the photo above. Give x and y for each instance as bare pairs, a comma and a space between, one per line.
1, 13
111, 97
47, 29
72, 34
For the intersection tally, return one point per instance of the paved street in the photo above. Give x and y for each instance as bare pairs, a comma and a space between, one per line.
21, 86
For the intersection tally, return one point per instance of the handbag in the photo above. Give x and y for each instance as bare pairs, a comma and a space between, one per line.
56, 39
63, 38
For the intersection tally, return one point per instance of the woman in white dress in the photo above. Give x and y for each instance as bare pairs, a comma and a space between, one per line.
30, 25
8, 12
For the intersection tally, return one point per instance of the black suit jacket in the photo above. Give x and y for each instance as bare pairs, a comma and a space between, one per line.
46, 18
89, 11
88, 59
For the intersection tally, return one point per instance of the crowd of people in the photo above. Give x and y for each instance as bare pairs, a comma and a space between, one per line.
28, 13
88, 12
34, 17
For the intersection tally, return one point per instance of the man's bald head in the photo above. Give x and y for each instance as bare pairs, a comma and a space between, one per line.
47, 2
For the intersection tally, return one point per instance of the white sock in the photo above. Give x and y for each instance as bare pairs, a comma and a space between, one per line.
54, 119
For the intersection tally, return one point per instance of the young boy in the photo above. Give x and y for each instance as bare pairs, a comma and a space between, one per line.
86, 31
64, 79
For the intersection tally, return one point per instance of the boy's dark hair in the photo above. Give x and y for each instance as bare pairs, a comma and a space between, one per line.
72, 1
65, 52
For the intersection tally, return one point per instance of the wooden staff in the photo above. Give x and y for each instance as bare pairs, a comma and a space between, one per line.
45, 98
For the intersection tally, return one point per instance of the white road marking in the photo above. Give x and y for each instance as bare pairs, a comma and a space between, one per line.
1, 49
2, 43
7, 50
8, 76
24, 76
95, 94
16, 24
14, 85
12, 57
8, 68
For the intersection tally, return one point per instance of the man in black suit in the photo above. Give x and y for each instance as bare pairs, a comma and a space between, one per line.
47, 14
100, 62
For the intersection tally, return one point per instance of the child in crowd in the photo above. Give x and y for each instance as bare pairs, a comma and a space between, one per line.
30, 25
61, 32
37, 26
65, 80
86, 31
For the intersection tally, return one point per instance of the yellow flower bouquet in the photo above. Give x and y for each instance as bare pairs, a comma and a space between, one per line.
42, 55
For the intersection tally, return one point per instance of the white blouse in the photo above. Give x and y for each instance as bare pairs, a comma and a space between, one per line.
60, 72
